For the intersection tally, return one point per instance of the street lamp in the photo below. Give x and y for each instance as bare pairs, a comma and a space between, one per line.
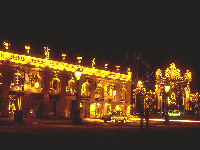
78, 74
167, 88
139, 103
77, 119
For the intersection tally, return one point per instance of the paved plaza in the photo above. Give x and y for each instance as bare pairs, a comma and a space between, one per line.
93, 131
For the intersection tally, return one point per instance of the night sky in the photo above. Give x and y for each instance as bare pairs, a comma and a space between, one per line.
162, 32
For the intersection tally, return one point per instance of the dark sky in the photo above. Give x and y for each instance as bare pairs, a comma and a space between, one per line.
162, 32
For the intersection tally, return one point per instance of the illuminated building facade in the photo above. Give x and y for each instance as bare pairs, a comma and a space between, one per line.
44, 87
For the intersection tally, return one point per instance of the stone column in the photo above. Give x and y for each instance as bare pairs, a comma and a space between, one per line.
118, 87
7, 74
45, 101
128, 92
62, 101
69, 98
26, 104
92, 95
128, 96
26, 100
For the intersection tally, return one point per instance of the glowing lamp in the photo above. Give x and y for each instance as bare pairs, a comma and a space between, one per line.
140, 82
167, 88
36, 84
114, 92
78, 74
81, 105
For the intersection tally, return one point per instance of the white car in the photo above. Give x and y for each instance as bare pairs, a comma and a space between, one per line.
119, 116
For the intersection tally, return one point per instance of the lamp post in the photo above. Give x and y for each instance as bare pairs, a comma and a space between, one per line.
167, 88
77, 119
140, 92
141, 109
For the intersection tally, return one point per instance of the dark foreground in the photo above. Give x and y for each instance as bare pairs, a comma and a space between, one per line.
58, 133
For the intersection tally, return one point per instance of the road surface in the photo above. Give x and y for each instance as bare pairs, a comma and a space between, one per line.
92, 132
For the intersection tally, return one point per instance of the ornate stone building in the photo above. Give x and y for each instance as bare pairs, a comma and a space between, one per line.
47, 88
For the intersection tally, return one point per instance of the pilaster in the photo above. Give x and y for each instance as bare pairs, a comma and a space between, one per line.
7, 74
62, 102
45, 101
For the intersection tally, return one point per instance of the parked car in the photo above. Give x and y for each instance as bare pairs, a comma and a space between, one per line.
107, 117
119, 116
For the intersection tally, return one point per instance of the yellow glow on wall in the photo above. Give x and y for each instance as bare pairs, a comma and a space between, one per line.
117, 108
92, 107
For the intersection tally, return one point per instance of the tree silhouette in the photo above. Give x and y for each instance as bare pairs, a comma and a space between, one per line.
141, 69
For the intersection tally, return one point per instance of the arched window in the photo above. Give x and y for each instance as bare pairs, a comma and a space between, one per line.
70, 88
55, 84
85, 89
99, 92
123, 93
111, 91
